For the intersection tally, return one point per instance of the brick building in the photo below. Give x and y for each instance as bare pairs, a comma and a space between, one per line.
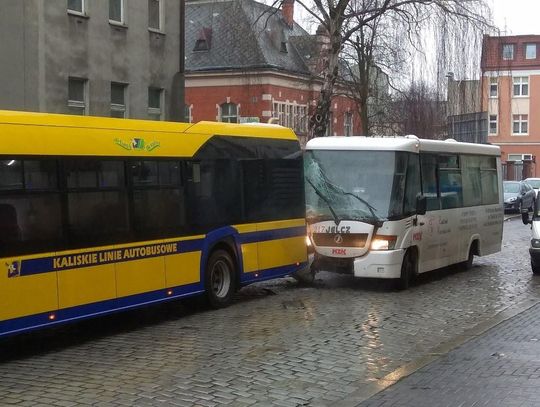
511, 96
246, 61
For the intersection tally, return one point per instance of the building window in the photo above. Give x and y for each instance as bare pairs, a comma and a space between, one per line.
188, 113
494, 87
348, 124
76, 6
520, 124
155, 103
521, 86
492, 124
519, 157
155, 14
329, 130
77, 99
116, 11
508, 51
118, 99
530, 51
229, 113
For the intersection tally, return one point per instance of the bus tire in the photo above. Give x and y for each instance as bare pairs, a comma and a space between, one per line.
220, 279
467, 264
408, 271
535, 267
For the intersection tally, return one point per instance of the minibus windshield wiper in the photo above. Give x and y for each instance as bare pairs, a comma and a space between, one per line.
326, 200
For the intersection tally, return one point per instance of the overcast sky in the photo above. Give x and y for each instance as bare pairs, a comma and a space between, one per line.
514, 17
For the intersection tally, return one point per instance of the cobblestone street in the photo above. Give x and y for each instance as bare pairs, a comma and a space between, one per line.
279, 344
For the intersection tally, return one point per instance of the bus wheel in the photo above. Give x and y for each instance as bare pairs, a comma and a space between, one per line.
535, 268
219, 279
467, 264
408, 270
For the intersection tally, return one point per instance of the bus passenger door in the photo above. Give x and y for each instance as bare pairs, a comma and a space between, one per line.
426, 233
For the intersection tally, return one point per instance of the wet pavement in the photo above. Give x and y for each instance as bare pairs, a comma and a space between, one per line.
279, 344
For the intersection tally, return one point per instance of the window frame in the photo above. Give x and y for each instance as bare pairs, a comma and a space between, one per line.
348, 124
161, 18
229, 116
77, 12
508, 47
520, 123
79, 104
154, 111
493, 85
493, 121
528, 46
118, 107
122, 21
521, 82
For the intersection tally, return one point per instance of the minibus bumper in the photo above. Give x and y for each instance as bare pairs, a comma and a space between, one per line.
379, 264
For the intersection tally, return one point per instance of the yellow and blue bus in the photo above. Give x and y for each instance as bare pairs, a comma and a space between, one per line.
99, 215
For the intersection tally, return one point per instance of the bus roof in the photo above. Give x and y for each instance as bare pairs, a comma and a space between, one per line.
407, 143
24, 133
94, 122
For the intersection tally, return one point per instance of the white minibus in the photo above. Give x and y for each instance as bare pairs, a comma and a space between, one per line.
392, 208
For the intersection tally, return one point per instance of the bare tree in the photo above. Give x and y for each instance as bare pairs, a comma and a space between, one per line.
418, 110
344, 19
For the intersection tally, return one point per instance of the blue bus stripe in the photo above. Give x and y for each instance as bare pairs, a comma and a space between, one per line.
46, 264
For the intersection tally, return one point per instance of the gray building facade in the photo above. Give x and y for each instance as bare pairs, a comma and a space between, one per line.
95, 57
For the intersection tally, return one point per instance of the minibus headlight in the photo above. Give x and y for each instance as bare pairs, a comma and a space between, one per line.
535, 243
382, 242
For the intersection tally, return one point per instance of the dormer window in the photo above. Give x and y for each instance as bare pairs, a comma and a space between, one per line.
508, 51
284, 46
203, 43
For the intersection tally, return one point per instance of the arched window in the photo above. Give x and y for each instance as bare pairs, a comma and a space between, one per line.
229, 113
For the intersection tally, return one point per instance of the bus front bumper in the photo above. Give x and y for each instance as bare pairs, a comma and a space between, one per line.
379, 264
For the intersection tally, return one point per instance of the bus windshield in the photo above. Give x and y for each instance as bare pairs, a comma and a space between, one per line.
354, 185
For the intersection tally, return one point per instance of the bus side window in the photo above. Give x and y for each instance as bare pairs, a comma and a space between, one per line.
429, 181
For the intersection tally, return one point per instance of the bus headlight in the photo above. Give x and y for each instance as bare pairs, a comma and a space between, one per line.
382, 242
535, 243
308, 241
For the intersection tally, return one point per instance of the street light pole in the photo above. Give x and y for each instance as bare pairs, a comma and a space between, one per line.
177, 103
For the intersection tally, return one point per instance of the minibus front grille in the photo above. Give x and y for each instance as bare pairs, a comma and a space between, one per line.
340, 240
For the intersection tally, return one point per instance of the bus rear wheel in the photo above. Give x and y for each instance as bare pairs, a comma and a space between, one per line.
220, 279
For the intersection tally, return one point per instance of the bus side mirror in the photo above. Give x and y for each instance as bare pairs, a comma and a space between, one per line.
421, 205
525, 218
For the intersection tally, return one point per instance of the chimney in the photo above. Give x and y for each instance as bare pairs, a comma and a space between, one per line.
287, 12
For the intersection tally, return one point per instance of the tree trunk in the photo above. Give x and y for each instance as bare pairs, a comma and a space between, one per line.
318, 122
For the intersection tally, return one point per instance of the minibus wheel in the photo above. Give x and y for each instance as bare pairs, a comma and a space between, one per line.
408, 271
535, 268
220, 279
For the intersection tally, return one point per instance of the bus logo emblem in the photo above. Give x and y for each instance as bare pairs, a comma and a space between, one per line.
338, 239
13, 269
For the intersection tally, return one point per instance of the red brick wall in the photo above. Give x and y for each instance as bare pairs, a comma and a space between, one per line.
249, 97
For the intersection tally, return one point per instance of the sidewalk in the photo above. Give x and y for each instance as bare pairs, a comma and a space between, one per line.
499, 368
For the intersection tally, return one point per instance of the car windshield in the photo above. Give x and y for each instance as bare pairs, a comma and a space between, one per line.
511, 187
354, 185
535, 183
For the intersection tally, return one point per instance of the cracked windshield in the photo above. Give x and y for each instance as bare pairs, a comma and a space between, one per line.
354, 185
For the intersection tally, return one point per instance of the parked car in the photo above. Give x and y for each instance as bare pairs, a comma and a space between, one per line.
534, 248
533, 182
518, 196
